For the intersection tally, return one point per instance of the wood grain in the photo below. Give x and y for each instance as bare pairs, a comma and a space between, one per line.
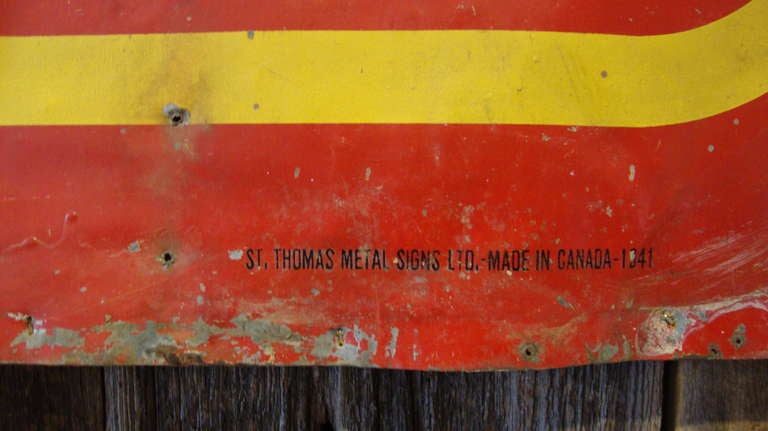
51, 398
224, 398
130, 398
719, 395
618, 396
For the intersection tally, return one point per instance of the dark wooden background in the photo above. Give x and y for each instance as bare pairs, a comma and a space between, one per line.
696, 395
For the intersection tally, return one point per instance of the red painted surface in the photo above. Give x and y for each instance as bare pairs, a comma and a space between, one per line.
41, 17
87, 214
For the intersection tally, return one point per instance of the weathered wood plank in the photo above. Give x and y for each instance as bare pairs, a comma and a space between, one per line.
720, 395
51, 398
226, 398
130, 398
619, 396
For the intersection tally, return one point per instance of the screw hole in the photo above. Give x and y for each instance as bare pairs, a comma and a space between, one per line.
714, 351
738, 341
167, 259
177, 116
739, 337
530, 352
669, 318
339, 336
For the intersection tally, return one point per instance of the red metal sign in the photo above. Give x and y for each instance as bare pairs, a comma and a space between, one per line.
470, 185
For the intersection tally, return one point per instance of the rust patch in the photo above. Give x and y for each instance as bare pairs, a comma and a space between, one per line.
172, 356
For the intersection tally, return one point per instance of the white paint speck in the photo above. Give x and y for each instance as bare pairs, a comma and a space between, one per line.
201, 286
200, 300
367, 174
466, 216
314, 291
56, 271
609, 211
711, 148
573, 129
391, 349
632, 171
235, 254
545, 138
83, 289
736, 122
572, 173
296, 172
21, 317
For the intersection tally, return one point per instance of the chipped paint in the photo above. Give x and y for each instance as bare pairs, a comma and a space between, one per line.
334, 347
665, 329
162, 343
562, 301
41, 337
259, 331
626, 348
602, 353
391, 349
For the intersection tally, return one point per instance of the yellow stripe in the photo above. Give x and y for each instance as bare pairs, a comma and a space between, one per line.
455, 76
